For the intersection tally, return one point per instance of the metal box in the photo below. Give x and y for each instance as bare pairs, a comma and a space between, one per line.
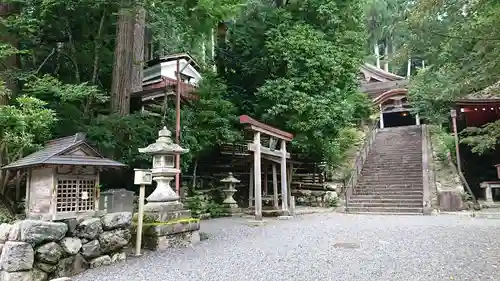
117, 200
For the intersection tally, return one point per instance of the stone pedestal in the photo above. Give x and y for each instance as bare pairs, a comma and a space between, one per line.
450, 201
166, 223
231, 206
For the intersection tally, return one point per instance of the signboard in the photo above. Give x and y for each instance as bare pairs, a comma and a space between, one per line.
143, 176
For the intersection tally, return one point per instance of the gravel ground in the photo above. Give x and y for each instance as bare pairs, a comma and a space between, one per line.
327, 247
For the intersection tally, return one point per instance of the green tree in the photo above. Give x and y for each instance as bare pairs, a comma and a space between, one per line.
290, 67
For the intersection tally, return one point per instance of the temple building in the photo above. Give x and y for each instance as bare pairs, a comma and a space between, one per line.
388, 92
160, 80
476, 110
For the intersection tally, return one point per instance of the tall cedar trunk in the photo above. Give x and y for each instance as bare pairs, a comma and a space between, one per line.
221, 41
408, 69
212, 49
9, 63
138, 63
376, 50
386, 55
122, 67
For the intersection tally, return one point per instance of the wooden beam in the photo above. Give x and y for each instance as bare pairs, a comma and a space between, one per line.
266, 150
266, 180
250, 188
284, 186
275, 187
265, 129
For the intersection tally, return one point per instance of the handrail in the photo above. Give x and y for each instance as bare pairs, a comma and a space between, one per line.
360, 161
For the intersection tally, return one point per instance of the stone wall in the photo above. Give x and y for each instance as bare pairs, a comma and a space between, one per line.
316, 198
34, 250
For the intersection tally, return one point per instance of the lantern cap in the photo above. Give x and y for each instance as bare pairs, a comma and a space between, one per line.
163, 145
230, 179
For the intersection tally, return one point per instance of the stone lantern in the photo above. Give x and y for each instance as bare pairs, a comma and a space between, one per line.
230, 182
164, 151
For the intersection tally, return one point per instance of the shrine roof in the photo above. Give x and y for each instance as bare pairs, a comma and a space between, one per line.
380, 74
377, 88
173, 57
55, 152
490, 94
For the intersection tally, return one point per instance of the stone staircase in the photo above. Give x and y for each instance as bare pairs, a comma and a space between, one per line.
391, 179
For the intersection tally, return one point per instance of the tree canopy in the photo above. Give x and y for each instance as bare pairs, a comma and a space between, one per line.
70, 66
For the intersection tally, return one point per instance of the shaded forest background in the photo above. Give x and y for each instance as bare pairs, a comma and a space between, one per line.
70, 66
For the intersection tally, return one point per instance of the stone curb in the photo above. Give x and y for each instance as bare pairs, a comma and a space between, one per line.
473, 214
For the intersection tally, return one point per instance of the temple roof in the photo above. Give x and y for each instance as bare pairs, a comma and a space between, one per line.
487, 95
376, 81
172, 57
372, 72
72, 150
490, 92
377, 88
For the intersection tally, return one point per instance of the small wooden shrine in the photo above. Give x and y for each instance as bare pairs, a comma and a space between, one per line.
476, 110
160, 81
63, 178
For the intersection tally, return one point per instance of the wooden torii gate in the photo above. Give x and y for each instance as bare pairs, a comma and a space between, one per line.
276, 136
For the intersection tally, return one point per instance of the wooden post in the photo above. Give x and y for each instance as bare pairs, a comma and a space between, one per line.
140, 216
178, 126
284, 186
275, 187
251, 189
290, 176
266, 180
257, 177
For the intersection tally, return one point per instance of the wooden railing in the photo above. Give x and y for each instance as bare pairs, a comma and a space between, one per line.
360, 161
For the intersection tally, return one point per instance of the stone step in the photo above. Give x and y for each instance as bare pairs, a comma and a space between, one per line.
381, 149
394, 150
396, 173
402, 210
381, 192
415, 196
386, 186
401, 193
387, 181
390, 182
387, 213
391, 172
395, 160
359, 204
374, 184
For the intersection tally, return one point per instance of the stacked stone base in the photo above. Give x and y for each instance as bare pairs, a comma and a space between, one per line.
169, 226
232, 209
39, 251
